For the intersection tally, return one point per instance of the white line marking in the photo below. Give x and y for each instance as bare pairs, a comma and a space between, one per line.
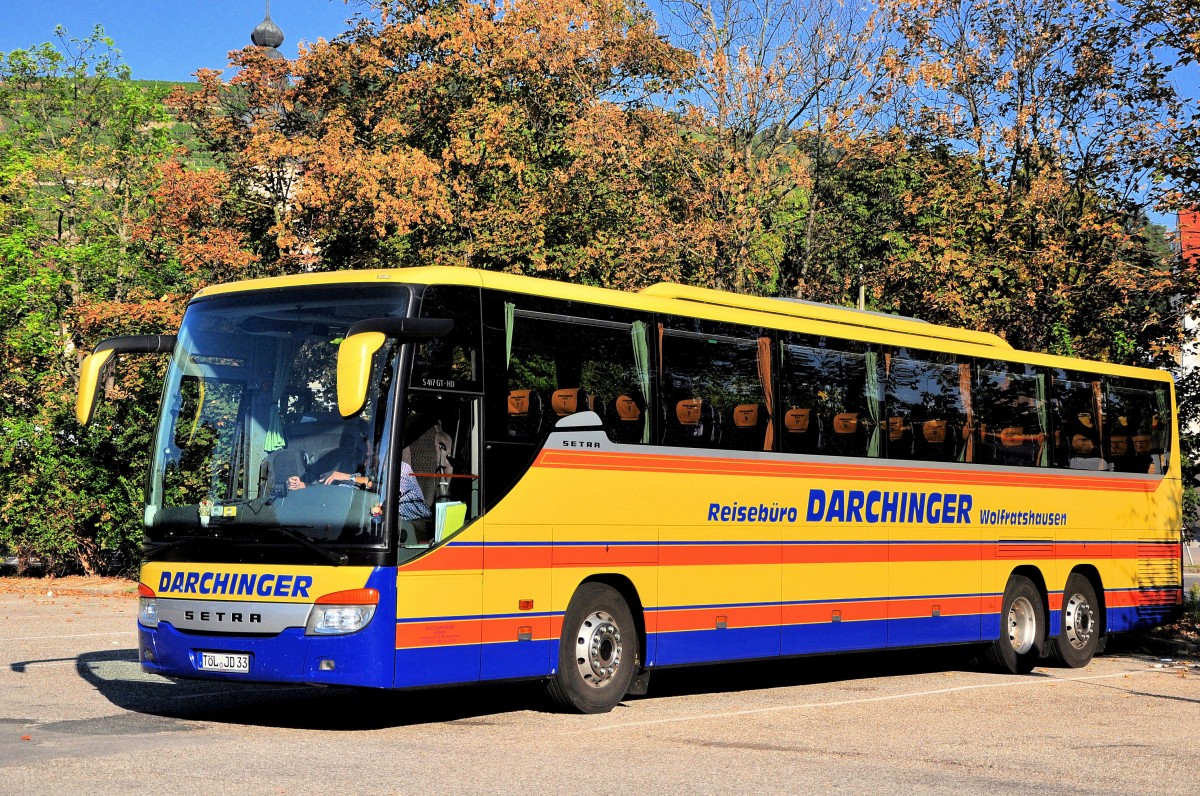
76, 635
864, 700
207, 694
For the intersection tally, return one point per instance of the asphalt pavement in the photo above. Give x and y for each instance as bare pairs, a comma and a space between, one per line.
79, 717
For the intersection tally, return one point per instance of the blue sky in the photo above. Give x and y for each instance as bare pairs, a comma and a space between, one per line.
171, 39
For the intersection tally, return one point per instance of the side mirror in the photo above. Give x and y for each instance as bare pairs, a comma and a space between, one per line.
360, 344
97, 364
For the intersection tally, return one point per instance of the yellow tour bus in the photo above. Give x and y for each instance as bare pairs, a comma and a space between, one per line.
431, 476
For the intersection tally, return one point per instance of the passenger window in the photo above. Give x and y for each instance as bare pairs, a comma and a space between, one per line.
831, 397
716, 386
1078, 404
928, 406
1013, 411
578, 358
1136, 435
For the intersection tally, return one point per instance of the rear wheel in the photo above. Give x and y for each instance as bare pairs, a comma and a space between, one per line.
598, 652
1079, 629
1022, 628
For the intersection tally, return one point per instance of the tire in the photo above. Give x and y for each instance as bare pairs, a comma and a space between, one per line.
1079, 629
598, 652
1022, 629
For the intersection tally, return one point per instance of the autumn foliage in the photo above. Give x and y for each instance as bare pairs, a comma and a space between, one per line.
983, 164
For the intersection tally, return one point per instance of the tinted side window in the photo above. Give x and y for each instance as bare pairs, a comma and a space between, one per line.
927, 407
1136, 433
1013, 414
451, 362
564, 358
1078, 407
831, 397
716, 383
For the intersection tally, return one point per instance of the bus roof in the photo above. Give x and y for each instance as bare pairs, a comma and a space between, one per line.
825, 319
829, 313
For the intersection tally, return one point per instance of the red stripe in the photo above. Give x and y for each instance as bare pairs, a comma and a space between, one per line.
1135, 597
508, 628
438, 633
547, 555
707, 618
659, 463
446, 557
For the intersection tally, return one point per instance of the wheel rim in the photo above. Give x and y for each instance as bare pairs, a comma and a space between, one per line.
1022, 625
1078, 621
598, 648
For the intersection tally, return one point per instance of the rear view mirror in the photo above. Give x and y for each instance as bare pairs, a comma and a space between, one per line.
97, 365
358, 348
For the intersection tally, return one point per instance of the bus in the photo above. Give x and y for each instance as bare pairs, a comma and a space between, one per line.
434, 476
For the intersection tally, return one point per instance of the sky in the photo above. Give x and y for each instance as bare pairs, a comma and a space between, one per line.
171, 39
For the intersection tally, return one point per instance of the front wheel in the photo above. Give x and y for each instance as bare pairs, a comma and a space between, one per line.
1022, 628
597, 653
1079, 630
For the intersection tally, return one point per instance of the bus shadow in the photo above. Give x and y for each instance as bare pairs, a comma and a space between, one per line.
811, 670
117, 676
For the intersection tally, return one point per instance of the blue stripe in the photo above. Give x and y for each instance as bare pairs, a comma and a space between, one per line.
437, 665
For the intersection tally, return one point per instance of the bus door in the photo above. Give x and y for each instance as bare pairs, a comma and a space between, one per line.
439, 579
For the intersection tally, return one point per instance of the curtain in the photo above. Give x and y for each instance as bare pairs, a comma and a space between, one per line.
874, 406
274, 439
641, 361
509, 311
764, 375
964, 387
1162, 435
1043, 419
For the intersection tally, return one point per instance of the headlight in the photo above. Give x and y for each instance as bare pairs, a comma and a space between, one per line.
342, 612
147, 606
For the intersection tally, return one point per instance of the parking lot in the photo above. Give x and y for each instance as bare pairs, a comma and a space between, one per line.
78, 716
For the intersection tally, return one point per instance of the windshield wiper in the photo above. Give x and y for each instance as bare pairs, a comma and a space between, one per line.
337, 559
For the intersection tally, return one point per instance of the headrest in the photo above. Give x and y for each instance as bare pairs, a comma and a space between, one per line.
796, 420
745, 415
565, 402
845, 423
1118, 446
688, 411
627, 409
1015, 436
518, 402
896, 428
1142, 443
1082, 445
934, 430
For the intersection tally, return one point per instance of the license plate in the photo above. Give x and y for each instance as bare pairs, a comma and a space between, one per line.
225, 662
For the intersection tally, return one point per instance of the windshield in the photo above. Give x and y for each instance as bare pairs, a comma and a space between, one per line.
250, 442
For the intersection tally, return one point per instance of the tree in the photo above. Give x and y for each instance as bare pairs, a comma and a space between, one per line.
79, 146
519, 138
759, 71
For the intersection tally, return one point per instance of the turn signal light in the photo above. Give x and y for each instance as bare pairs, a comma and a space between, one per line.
350, 597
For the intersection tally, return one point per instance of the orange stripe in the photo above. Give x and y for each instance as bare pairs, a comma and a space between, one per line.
824, 612
438, 633
649, 462
924, 607
1130, 599
674, 555
546, 555
706, 618
447, 557
506, 628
